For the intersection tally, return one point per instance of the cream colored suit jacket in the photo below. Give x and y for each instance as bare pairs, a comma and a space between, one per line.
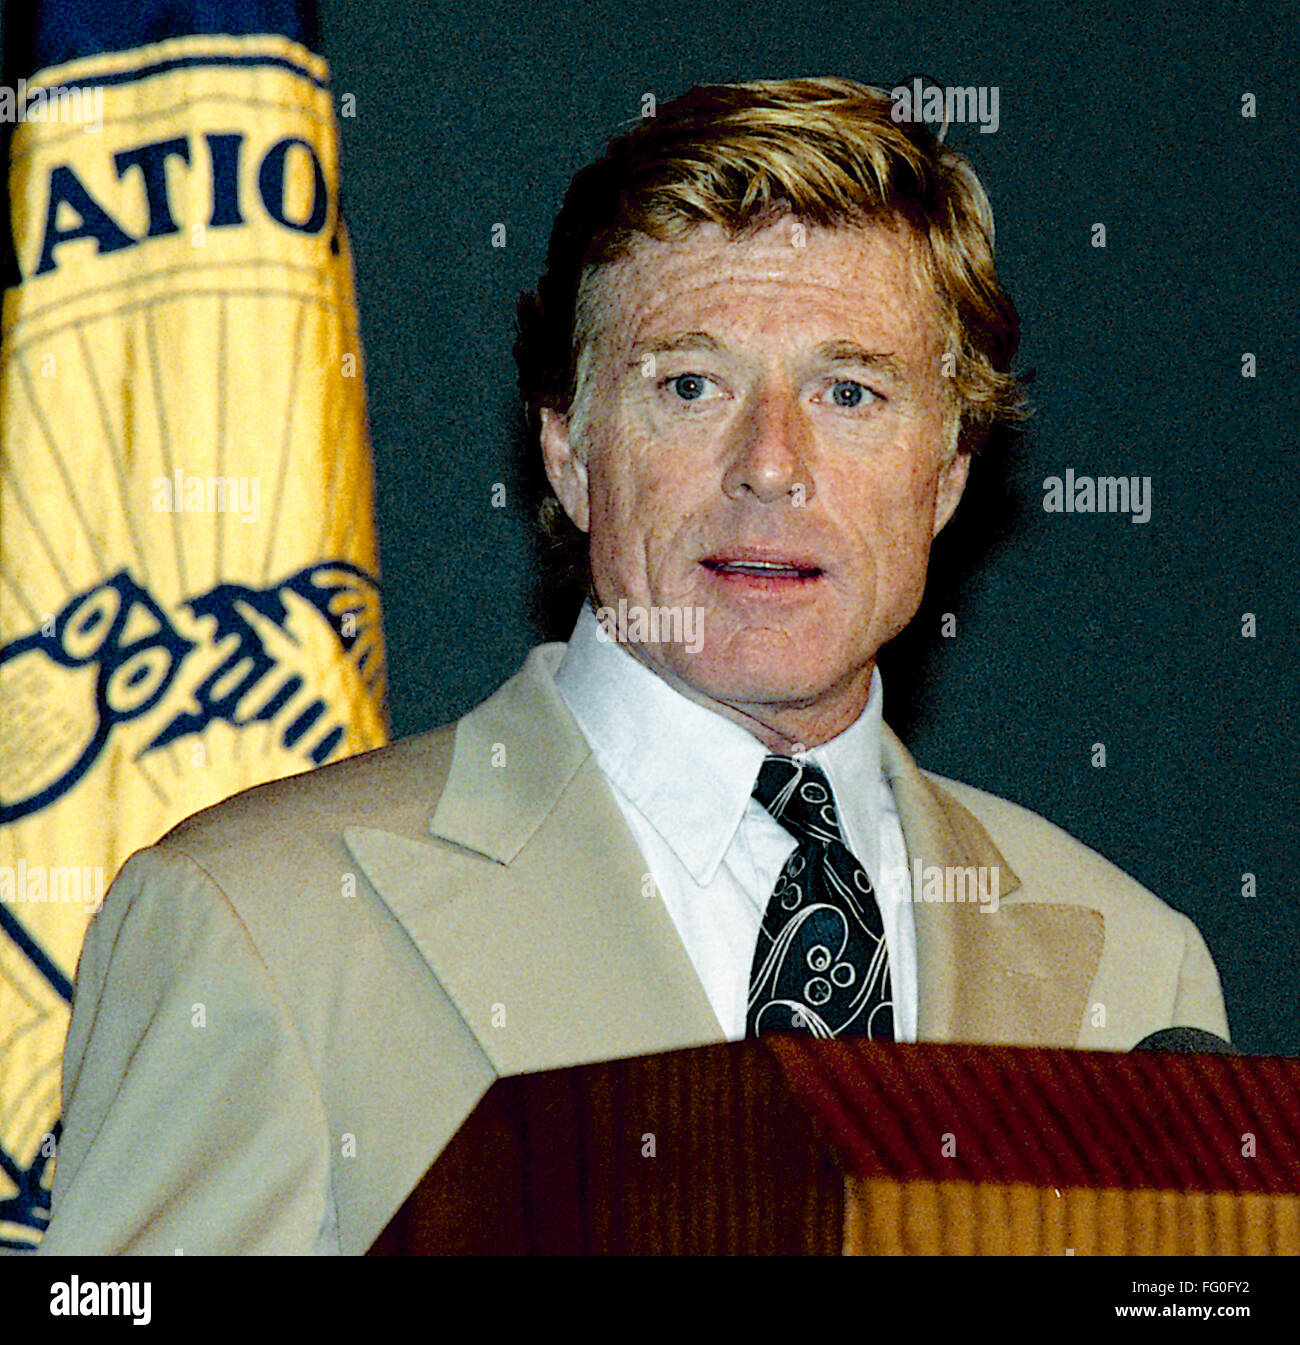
286, 1008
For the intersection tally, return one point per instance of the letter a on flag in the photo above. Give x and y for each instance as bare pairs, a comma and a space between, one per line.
188, 567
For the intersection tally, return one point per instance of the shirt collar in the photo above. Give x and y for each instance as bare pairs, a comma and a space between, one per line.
852, 764
666, 753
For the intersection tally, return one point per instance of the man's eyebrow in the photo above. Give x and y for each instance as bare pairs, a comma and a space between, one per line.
673, 341
833, 352
850, 352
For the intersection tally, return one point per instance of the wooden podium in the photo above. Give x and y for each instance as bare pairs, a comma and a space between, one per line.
785, 1144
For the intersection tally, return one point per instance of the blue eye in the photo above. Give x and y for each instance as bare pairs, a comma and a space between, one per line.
848, 394
689, 387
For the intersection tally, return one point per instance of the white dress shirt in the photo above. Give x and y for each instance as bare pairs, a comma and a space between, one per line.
683, 777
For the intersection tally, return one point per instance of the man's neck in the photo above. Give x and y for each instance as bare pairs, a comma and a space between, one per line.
785, 729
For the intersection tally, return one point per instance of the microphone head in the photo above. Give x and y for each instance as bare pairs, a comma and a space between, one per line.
1186, 1039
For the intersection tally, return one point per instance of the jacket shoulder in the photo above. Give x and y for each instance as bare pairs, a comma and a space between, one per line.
257, 908
1156, 970
394, 788
390, 785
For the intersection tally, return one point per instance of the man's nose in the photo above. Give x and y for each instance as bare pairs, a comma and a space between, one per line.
769, 459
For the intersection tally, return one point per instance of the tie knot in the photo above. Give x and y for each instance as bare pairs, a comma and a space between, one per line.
798, 795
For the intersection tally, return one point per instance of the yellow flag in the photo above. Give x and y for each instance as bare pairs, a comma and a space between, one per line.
188, 567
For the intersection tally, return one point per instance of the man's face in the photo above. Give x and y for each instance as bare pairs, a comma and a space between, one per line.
765, 439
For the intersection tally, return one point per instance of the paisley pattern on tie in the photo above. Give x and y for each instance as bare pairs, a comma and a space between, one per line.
821, 965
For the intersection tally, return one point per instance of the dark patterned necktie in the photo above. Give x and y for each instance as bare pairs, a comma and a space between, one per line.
821, 965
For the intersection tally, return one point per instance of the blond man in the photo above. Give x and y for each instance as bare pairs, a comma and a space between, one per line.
769, 339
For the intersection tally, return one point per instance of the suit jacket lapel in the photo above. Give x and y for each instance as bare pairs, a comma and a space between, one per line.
1018, 974
530, 900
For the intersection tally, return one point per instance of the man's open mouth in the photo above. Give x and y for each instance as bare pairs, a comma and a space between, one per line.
762, 569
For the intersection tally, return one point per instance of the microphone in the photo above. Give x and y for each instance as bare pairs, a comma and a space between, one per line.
1187, 1039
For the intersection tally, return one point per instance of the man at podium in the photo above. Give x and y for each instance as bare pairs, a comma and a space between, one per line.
769, 339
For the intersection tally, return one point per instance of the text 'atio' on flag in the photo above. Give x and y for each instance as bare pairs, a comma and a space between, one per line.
188, 566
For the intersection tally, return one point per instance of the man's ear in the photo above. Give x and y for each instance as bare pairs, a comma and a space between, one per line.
565, 470
952, 481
